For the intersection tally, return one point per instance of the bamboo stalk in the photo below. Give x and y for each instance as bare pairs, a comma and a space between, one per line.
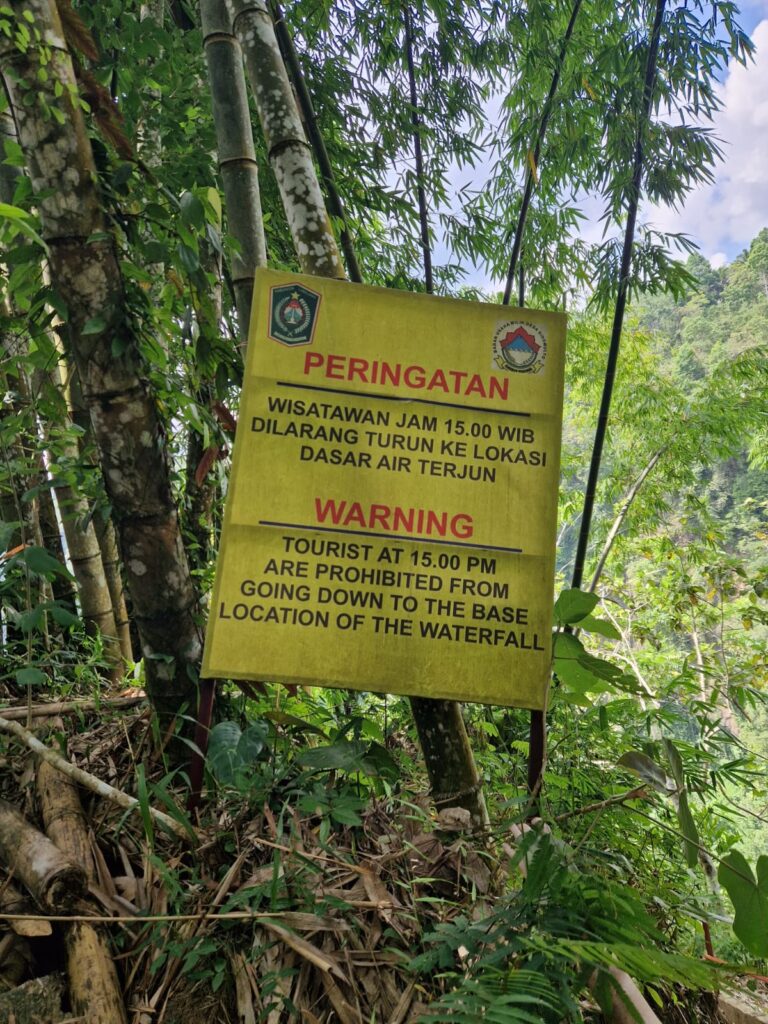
110, 559
94, 988
638, 163
237, 155
417, 153
335, 204
104, 526
621, 516
52, 879
13, 904
289, 153
82, 545
68, 707
448, 757
534, 163
103, 789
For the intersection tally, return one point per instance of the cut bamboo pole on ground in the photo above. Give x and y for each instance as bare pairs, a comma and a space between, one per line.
94, 988
69, 707
13, 902
52, 879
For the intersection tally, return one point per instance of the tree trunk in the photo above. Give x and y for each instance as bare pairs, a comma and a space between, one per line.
289, 152
237, 156
124, 416
443, 736
448, 756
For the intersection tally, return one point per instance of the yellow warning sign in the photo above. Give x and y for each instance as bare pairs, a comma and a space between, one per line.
390, 521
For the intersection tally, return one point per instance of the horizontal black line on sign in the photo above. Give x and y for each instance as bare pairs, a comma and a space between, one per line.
398, 398
390, 536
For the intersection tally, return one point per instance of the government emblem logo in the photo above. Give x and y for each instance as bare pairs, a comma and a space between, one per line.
292, 314
519, 347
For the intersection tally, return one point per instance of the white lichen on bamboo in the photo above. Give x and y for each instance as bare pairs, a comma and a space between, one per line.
289, 152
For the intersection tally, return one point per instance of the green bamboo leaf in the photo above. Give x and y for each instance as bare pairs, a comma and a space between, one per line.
675, 762
39, 561
143, 797
647, 769
689, 830
20, 220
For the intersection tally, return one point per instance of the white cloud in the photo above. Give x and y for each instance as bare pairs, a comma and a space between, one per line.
725, 216
718, 259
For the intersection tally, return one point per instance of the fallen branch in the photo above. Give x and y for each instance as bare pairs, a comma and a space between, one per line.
203, 915
639, 793
90, 782
70, 707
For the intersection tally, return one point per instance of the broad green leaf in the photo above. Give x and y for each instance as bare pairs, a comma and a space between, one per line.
95, 325
345, 814
749, 898
38, 560
574, 605
31, 620
192, 210
251, 743
222, 750
342, 756
31, 676
188, 258
601, 626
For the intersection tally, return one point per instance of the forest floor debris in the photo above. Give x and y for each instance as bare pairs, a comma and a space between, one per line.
269, 915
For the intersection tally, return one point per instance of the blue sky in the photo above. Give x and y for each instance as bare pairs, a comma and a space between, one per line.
724, 217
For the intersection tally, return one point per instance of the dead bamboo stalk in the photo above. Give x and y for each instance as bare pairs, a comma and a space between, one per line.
69, 707
94, 987
90, 782
63, 816
13, 903
51, 878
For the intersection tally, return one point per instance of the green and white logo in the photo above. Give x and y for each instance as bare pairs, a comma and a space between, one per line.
292, 314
